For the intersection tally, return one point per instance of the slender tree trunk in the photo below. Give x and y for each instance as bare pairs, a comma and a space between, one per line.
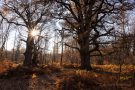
13, 52
120, 67
17, 53
61, 59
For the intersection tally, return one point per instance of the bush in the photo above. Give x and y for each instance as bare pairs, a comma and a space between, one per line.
6, 65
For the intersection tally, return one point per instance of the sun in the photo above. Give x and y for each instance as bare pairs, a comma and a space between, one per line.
34, 32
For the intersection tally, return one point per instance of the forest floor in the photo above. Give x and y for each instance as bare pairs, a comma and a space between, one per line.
68, 77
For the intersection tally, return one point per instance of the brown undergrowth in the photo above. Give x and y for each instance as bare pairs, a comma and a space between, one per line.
102, 77
7, 65
68, 77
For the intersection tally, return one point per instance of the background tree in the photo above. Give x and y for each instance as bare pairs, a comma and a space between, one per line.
4, 34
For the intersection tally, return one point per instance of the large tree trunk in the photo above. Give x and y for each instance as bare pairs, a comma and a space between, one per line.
28, 53
84, 52
35, 57
85, 59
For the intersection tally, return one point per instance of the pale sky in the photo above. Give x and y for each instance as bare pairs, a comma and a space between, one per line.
10, 42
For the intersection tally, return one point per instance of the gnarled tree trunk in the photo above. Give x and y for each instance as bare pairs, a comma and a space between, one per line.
84, 51
29, 51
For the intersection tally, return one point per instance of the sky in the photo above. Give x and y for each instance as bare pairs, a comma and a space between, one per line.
10, 43
11, 39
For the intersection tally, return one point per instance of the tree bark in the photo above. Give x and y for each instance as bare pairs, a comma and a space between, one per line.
34, 59
85, 59
61, 58
28, 53
84, 52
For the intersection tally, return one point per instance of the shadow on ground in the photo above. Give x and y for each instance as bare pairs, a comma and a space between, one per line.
22, 78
